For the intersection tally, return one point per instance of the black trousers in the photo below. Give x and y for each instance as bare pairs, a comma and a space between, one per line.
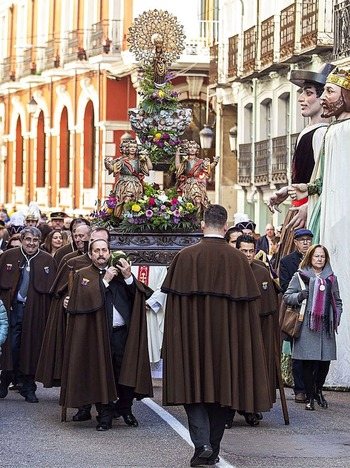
206, 424
125, 394
15, 336
315, 373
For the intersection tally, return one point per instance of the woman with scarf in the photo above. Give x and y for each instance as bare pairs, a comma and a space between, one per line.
316, 346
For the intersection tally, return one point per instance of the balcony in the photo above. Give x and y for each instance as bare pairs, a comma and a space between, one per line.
261, 162
287, 33
8, 70
279, 160
249, 52
26, 67
316, 36
104, 40
233, 45
267, 42
245, 164
213, 64
341, 47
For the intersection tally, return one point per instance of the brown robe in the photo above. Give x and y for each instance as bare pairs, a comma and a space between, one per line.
49, 368
62, 251
213, 346
87, 374
42, 275
268, 307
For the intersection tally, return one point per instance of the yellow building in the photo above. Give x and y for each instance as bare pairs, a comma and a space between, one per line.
69, 60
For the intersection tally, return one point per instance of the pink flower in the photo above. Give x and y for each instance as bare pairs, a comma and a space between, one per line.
152, 201
149, 213
174, 201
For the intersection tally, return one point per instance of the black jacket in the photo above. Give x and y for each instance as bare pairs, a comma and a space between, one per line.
288, 266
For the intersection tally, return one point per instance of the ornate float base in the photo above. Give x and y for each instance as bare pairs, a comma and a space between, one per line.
152, 248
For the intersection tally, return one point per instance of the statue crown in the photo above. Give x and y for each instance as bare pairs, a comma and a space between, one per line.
340, 77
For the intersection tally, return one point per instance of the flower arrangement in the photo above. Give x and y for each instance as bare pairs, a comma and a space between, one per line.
159, 120
158, 210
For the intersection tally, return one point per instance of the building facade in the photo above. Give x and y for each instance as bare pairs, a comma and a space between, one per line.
69, 59
259, 43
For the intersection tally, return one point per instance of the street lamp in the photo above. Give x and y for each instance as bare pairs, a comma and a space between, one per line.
32, 106
206, 136
232, 134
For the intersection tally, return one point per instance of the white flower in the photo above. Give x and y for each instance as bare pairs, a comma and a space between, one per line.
162, 197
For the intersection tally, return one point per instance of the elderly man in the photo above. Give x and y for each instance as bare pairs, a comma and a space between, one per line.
71, 247
213, 347
106, 353
26, 276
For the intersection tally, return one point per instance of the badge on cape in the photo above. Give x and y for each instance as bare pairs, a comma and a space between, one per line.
8, 266
265, 285
85, 281
47, 270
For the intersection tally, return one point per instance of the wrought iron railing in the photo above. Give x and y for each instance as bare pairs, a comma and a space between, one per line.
245, 164
341, 45
233, 44
249, 52
261, 162
287, 32
279, 160
267, 41
105, 38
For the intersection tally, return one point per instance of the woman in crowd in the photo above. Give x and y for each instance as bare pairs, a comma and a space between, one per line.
52, 242
14, 241
316, 346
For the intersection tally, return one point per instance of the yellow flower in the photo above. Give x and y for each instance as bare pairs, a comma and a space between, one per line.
109, 210
161, 94
158, 135
136, 208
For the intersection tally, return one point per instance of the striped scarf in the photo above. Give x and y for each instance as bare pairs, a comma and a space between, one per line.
321, 310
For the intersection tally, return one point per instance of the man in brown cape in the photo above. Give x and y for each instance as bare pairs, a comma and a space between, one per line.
213, 347
49, 368
106, 353
26, 276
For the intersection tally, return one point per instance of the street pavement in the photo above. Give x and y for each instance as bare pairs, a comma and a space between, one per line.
33, 435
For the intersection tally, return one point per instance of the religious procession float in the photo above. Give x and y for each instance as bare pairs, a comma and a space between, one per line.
148, 222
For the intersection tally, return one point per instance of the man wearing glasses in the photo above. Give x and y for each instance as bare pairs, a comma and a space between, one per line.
26, 276
288, 266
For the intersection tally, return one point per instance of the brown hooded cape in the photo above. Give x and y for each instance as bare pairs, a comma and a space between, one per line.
49, 368
268, 307
213, 348
42, 275
87, 374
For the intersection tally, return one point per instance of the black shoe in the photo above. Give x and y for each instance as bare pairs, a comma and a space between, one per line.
3, 390
250, 418
31, 397
102, 427
229, 419
310, 405
82, 415
321, 401
258, 416
201, 455
130, 420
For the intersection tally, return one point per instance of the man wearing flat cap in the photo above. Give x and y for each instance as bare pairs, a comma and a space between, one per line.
307, 149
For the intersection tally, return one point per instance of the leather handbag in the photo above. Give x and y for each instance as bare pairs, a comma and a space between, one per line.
294, 316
